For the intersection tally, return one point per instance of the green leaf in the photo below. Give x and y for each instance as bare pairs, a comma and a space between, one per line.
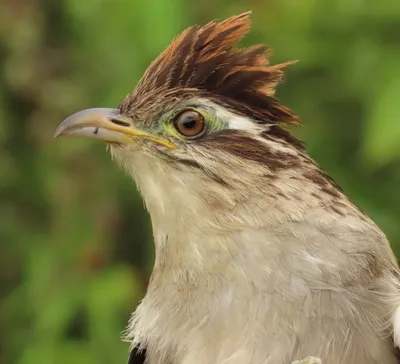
382, 130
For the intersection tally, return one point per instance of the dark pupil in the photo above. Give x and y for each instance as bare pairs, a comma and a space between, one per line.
189, 122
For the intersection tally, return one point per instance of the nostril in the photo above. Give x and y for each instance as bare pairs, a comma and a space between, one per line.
119, 122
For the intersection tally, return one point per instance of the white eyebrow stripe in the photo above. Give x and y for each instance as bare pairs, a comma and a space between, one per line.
240, 122
235, 121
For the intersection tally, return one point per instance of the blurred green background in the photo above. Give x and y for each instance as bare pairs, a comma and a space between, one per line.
76, 246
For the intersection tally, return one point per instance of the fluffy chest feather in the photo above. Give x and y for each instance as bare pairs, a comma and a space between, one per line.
255, 302
249, 280
242, 310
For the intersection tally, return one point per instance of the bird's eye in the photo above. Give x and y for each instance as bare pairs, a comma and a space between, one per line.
190, 124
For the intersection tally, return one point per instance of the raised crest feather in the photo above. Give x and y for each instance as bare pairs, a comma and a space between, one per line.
204, 60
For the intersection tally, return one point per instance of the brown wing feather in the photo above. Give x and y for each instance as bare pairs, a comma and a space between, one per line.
137, 356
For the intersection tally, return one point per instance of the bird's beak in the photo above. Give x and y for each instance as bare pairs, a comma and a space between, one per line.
107, 125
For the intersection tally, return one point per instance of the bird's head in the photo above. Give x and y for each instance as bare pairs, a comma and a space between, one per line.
202, 121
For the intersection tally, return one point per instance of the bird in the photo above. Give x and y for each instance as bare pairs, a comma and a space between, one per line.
260, 257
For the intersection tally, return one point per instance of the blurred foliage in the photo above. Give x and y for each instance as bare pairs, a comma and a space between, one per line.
76, 244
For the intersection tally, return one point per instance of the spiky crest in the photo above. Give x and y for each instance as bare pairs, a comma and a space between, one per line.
204, 60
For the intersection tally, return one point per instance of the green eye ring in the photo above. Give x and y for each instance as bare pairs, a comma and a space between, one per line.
190, 123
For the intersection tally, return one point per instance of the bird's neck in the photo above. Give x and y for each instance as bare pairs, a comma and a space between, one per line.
223, 252
199, 223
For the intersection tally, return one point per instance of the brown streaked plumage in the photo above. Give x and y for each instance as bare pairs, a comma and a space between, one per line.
260, 256
203, 61
232, 142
